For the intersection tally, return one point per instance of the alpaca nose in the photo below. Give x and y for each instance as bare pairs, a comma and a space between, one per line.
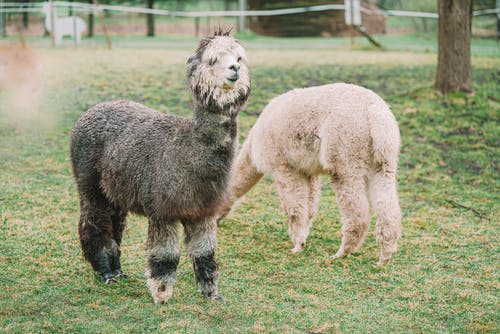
235, 67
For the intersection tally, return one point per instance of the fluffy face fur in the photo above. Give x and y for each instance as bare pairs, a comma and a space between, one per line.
218, 75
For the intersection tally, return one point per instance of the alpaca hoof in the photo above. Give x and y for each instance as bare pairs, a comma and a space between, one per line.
298, 248
212, 295
111, 280
217, 298
160, 291
119, 275
383, 262
339, 254
107, 278
162, 299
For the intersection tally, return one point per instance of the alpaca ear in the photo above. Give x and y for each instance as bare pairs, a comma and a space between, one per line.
191, 59
192, 63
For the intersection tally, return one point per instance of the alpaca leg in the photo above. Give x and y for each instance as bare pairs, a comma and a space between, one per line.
118, 223
57, 38
163, 258
385, 203
201, 241
95, 231
294, 190
354, 210
245, 176
314, 192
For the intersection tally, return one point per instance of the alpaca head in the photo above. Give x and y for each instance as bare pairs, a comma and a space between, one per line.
217, 73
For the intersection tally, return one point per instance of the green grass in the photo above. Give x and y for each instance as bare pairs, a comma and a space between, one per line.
414, 42
444, 277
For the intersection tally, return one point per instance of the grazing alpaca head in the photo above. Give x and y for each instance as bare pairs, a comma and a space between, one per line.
218, 75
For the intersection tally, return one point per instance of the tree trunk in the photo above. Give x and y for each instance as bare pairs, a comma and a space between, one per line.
454, 65
498, 21
3, 30
90, 28
150, 19
25, 18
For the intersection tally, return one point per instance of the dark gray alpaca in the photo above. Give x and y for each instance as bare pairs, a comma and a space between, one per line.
127, 157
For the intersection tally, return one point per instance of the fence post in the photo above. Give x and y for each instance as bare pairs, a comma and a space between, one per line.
52, 24
242, 20
103, 24
352, 16
3, 33
75, 40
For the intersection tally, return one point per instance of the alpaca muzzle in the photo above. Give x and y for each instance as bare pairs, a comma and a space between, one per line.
234, 77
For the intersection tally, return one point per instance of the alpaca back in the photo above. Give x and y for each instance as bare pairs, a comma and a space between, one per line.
360, 130
312, 129
138, 153
286, 133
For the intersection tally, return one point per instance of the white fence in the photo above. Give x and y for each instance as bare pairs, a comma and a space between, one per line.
31, 7
21, 7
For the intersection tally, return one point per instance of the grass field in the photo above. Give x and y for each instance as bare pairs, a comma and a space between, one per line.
444, 278
416, 42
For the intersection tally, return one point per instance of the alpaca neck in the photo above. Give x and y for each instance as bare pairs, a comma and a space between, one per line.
215, 129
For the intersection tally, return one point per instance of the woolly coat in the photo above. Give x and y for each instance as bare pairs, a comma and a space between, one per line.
338, 128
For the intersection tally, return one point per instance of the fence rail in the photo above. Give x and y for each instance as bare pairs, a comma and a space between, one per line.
21, 7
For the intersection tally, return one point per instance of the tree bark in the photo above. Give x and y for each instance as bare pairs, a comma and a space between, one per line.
454, 61
90, 28
498, 21
25, 18
3, 30
150, 19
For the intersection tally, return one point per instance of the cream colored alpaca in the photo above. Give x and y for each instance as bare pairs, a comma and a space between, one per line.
342, 130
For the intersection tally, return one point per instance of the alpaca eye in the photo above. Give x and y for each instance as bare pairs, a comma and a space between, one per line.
212, 61
239, 59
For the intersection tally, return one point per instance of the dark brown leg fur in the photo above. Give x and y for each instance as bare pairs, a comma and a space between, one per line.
100, 229
201, 241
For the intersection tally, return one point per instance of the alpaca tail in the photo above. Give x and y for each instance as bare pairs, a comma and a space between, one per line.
384, 132
382, 186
